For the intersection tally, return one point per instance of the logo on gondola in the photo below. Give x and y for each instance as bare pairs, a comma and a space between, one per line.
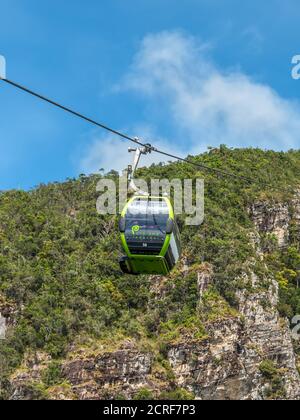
135, 229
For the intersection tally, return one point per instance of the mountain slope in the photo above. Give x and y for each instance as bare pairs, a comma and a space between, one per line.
215, 328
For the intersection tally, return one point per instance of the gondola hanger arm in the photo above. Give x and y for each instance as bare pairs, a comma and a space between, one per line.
144, 149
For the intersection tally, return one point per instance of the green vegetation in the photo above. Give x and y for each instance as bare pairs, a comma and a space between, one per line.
214, 307
52, 375
144, 394
59, 261
178, 394
287, 269
274, 378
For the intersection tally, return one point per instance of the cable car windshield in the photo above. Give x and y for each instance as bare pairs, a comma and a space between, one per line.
146, 219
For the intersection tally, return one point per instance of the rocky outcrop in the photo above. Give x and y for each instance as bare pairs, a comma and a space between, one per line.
211, 369
110, 374
8, 310
296, 206
106, 375
8, 313
30, 373
204, 280
272, 219
276, 218
227, 365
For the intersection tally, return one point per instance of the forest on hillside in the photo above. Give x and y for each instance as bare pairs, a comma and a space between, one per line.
59, 262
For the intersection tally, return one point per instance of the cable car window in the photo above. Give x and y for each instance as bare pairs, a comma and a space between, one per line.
146, 220
141, 224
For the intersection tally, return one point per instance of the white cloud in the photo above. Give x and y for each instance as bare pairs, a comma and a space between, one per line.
253, 39
205, 105
210, 105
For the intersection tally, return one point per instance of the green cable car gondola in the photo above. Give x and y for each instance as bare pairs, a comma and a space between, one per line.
149, 235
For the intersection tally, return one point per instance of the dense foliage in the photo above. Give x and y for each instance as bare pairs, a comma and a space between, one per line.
59, 259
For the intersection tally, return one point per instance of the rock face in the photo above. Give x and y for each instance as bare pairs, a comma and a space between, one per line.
121, 373
31, 372
8, 312
227, 365
276, 218
273, 219
107, 375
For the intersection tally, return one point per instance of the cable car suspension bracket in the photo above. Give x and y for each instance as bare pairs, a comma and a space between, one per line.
145, 149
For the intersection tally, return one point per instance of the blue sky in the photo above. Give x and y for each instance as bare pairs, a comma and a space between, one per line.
184, 75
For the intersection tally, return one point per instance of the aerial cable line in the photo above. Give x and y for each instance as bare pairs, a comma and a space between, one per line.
71, 111
135, 140
124, 136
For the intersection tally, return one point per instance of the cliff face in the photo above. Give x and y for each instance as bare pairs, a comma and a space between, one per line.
272, 219
227, 366
276, 218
